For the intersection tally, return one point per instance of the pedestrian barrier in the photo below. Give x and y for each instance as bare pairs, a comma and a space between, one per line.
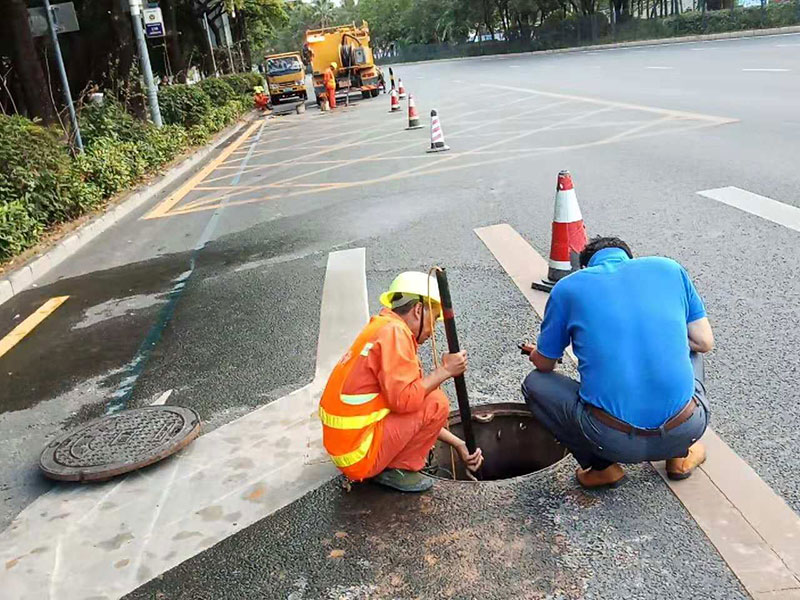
568, 236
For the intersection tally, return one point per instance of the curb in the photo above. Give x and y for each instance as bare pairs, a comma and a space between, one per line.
18, 280
747, 33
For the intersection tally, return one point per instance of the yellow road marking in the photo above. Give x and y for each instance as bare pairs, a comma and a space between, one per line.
177, 196
15, 336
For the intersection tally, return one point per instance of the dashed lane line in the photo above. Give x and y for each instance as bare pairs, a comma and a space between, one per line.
16, 335
752, 528
761, 206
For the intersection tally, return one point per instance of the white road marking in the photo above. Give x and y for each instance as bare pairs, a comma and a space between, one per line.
753, 529
761, 206
162, 399
766, 70
660, 68
105, 540
610, 103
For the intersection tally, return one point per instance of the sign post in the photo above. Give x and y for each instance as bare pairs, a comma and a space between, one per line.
153, 22
144, 59
63, 73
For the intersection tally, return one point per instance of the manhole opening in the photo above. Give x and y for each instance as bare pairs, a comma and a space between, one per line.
514, 443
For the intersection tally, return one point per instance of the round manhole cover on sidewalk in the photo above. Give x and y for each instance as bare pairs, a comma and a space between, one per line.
119, 443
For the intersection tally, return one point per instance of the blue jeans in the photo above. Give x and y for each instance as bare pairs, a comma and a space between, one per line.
554, 401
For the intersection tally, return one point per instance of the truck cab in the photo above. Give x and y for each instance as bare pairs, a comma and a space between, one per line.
286, 76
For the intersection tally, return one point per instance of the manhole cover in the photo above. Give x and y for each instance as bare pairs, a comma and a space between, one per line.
119, 443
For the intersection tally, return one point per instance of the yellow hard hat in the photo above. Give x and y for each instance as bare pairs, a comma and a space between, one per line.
334, 65
410, 284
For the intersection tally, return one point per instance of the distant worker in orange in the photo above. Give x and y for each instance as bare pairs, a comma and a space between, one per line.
330, 84
380, 415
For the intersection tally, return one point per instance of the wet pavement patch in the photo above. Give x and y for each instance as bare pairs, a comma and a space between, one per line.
514, 443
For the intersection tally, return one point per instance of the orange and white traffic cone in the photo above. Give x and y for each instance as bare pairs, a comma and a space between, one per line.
413, 117
568, 237
395, 102
400, 89
437, 135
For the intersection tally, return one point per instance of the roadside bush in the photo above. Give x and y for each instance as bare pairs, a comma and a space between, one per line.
183, 104
18, 229
243, 83
219, 90
34, 168
110, 165
107, 120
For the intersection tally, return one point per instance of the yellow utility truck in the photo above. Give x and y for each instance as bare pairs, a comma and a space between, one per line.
347, 46
286, 76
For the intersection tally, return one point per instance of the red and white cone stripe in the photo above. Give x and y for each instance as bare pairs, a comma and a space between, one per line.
437, 135
413, 117
569, 233
395, 102
400, 89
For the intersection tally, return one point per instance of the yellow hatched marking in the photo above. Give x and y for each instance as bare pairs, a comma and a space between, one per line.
163, 208
16, 335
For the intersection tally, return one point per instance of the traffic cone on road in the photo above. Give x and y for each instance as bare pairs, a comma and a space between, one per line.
413, 117
400, 89
568, 237
395, 103
437, 135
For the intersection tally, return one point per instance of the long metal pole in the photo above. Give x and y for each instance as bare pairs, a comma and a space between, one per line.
144, 60
453, 347
63, 73
210, 47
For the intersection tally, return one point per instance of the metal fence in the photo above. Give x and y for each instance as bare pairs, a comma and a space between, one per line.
576, 31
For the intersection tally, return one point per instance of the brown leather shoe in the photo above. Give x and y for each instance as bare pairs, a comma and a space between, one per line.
681, 468
610, 477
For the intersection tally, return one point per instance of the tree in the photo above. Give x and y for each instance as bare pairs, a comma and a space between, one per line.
324, 12
25, 59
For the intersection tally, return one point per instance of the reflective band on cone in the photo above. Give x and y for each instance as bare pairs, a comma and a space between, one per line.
400, 89
413, 117
395, 102
569, 234
437, 135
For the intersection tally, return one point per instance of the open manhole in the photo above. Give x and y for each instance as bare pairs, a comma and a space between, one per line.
514, 443
119, 443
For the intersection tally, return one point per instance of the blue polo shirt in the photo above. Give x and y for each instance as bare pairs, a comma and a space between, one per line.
627, 322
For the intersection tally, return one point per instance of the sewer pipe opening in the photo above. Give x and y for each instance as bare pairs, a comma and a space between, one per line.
514, 443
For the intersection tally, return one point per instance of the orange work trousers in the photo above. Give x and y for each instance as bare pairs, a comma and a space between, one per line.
408, 437
332, 97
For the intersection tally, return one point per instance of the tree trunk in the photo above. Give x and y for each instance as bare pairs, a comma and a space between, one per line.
122, 28
172, 40
26, 61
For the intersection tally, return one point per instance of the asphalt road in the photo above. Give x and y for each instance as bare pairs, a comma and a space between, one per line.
242, 332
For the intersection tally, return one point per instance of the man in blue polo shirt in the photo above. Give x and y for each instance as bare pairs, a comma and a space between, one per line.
638, 328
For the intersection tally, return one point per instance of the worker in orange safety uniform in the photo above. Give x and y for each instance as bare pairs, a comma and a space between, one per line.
380, 414
330, 84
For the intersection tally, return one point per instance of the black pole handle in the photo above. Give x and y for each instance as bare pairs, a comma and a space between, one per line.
453, 347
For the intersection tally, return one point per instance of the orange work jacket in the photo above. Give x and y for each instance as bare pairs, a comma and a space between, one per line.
330, 79
378, 375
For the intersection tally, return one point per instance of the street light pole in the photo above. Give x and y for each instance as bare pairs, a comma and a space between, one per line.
144, 60
210, 46
63, 73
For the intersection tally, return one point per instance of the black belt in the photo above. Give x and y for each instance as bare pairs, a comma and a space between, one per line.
679, 419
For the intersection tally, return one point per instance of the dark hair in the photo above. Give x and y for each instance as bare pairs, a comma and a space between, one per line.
404, 309
600, 243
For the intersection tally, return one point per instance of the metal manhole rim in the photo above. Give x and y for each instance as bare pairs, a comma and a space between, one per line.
190, 428
505, 409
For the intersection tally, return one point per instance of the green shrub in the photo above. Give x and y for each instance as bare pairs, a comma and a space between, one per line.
18, 229
108, 120
35, 166
219, 90
183, 104
243, 83
159, 146
110, 165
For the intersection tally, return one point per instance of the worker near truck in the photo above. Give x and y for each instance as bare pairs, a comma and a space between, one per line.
380, 414
639, 329
330, 84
